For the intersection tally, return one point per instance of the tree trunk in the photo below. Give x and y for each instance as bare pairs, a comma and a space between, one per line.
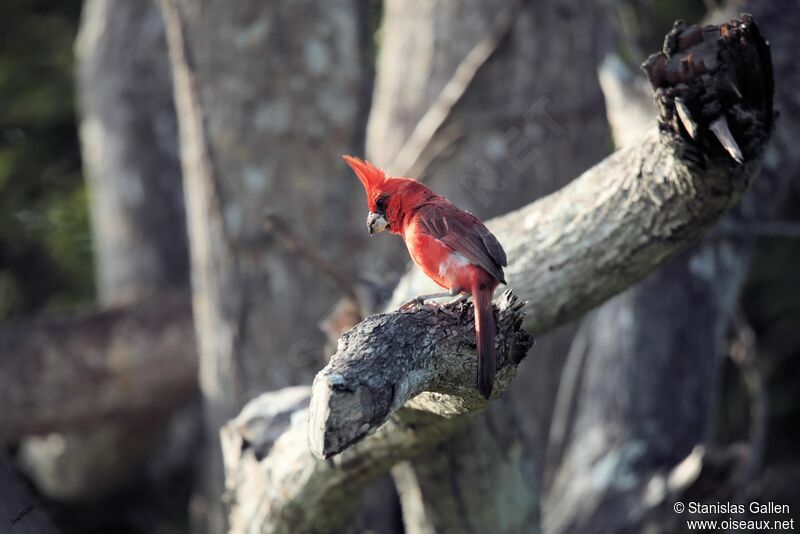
522, 124
401, 383
650, 360
130, 146
130, 152
269, 94
481, 479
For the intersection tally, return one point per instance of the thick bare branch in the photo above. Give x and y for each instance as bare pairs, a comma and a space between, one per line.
390, 359
569, 252
622, 218
275, 485
71, 372
274, 481
682, 321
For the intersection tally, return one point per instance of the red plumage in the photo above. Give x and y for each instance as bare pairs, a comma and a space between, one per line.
452, 246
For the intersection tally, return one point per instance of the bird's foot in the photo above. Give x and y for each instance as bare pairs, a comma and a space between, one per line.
437, 308
413, 303
420, 300
456, 301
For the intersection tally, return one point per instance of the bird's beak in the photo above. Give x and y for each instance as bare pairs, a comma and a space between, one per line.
376, 223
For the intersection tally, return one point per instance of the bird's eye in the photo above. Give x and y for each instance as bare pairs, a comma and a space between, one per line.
381, 203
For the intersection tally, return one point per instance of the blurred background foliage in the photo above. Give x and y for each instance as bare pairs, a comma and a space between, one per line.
45, 245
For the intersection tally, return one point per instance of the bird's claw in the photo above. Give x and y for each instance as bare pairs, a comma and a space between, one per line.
416, 301
456, 301
444, 308
437, 308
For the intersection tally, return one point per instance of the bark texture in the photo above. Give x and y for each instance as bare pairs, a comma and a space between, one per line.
649, 361
674, 187
388, 360
277, 479
277, 486
260, 86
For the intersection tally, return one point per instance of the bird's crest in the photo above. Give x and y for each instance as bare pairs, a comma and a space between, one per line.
370, 175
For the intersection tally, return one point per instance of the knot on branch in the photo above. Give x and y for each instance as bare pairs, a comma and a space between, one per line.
388, 359
714, 88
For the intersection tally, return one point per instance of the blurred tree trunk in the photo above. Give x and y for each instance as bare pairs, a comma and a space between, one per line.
130, 153
130, 147
269, 95
650, 358
528, 120
771, 310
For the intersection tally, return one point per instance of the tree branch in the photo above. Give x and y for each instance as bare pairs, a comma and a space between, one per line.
682, 318
266, 448
569, 252
72, 372
617, 222
273, 482
390, 359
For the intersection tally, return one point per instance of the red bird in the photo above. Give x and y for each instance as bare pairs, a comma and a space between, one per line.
452, 246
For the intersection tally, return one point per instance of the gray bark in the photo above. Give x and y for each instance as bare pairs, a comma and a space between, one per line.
673, 188
276, 485
274, 471
375, 371
260, 87
483, 474
130, 152
613, 224
629, 100
661, 341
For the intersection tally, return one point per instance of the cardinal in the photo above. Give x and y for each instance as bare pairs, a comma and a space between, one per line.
452, 246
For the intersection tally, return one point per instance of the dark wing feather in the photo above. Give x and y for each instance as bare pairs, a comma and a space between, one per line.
475, 242
493, 246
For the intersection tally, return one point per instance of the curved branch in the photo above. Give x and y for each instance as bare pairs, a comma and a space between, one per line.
275, 485
618, 221
569, 252
390, 359
603, 232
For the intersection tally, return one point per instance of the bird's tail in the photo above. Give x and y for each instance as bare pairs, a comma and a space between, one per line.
485, 332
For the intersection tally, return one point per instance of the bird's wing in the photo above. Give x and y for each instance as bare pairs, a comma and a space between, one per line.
465, 234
